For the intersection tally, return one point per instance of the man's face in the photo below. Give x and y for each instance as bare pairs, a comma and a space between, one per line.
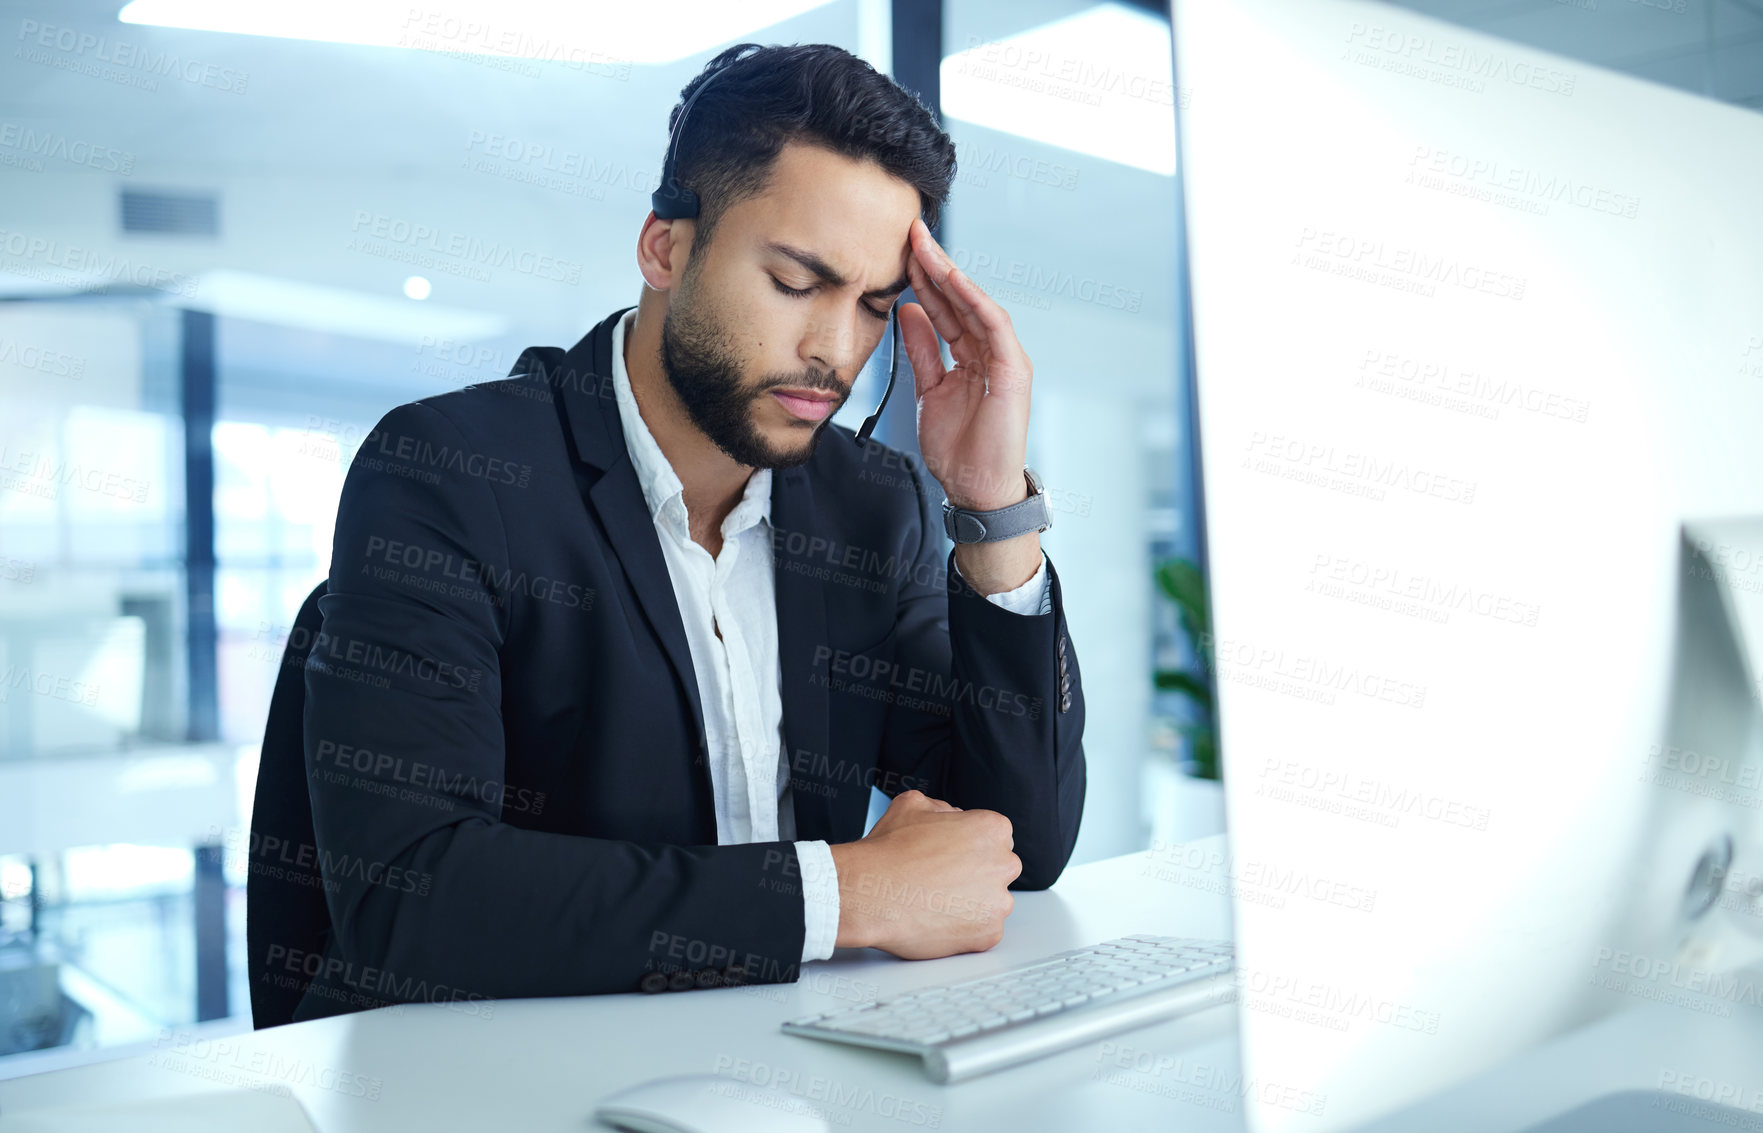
761, 371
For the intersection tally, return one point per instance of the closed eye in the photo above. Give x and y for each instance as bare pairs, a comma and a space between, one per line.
801, 292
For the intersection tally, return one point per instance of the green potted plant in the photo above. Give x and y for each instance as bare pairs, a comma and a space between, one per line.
1181, 582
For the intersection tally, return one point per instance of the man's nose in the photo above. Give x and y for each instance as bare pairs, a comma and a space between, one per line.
832, 344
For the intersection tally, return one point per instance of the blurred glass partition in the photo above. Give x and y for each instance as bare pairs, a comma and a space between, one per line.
1063, 115
91, 489
92, 674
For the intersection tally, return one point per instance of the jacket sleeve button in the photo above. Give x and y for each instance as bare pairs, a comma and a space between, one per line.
653, 982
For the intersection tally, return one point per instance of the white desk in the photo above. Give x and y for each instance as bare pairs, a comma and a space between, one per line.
542, 1064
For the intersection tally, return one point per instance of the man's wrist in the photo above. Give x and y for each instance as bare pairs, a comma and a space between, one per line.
854, 930
992, 568
1010, 490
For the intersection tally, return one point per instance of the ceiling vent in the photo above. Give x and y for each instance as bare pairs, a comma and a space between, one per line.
170, 214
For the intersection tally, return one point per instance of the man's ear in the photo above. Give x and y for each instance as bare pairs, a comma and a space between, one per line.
663, 247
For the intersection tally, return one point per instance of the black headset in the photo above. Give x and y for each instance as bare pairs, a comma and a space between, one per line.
673, 201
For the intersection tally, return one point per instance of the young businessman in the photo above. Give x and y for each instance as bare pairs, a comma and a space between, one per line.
614, 650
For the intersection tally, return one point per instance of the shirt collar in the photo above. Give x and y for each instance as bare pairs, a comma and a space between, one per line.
662, 489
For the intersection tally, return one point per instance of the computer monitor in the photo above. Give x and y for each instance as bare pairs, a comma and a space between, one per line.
1478, 337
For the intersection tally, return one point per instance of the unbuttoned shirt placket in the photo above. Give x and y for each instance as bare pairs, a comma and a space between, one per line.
753, 767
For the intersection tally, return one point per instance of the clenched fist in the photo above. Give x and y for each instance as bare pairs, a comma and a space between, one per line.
928, 880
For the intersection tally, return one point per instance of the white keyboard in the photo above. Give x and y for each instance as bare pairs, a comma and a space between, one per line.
1067, 999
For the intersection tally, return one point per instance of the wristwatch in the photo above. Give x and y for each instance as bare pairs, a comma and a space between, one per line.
1032, 514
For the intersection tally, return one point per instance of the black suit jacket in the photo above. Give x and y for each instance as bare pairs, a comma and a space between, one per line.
504, 744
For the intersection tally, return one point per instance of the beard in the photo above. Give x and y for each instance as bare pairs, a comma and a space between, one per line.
706, 377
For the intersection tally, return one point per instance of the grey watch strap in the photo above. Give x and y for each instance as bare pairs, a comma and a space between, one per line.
1032, 514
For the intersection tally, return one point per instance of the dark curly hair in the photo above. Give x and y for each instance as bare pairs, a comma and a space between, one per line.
814, 93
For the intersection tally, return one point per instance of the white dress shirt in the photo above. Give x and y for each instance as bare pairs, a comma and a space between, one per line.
740, 680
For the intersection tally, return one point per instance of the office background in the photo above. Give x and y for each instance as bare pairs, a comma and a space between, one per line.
224, 256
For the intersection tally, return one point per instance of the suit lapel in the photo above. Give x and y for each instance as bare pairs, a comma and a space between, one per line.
618, 500
801, 627
583, 385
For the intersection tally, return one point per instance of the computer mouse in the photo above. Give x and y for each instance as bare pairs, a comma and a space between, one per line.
708, 1103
